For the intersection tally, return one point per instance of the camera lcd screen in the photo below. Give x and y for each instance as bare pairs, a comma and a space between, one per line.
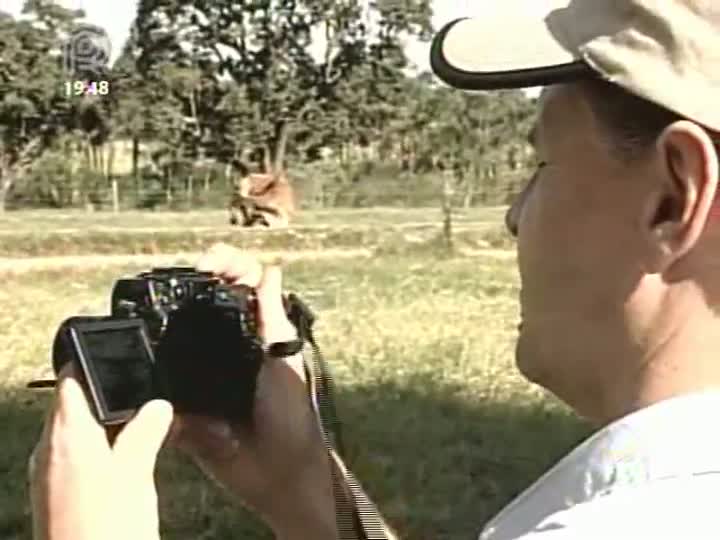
122, 366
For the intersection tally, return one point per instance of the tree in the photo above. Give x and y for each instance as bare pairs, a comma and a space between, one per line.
161, 113
35, 106
30, 96
293, 97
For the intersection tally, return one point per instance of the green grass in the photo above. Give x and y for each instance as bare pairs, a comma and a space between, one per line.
440, 428
46, 233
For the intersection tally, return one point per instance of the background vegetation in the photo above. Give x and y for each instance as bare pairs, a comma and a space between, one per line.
202, 85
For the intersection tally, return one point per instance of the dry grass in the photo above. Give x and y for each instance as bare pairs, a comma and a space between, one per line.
54, 243
77, 220
441, 429
44, 233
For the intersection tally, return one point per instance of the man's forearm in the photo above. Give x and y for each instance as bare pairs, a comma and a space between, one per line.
316, 516
309, 516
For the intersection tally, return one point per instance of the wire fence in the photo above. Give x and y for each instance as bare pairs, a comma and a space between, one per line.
117, 201
313, 190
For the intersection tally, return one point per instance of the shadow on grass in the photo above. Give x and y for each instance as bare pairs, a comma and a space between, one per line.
437, 465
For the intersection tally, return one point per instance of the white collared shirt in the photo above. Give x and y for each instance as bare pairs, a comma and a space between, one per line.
654, 474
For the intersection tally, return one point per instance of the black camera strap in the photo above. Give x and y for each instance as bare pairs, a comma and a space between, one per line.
356, 516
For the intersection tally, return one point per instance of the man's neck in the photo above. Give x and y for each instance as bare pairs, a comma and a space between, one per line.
686, 361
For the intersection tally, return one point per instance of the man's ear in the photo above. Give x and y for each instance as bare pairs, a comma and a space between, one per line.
687, 165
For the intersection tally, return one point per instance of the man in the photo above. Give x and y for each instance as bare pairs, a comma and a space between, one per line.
618, 242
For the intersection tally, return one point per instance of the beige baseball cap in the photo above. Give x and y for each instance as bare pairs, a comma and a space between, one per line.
666, 51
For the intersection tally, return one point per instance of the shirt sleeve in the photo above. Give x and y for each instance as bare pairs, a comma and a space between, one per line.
677, 508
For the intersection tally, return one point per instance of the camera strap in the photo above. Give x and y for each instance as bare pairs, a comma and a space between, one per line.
356, 516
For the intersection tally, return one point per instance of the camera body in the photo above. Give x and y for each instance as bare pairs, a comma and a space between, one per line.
176, 334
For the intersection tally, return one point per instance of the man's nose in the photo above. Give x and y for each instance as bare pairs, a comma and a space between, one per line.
512, 216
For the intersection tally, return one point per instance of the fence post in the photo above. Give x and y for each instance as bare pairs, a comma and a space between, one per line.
115, 196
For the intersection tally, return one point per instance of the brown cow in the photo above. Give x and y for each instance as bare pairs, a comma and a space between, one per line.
264, 199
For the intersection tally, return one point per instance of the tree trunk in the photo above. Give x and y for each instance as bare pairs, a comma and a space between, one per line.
115, 196
102, 154
207, 180
8, 180
56, 200
95, 159
469, 194
136, 159
88, 154
74, 180
193, 109
447, 210
89, 206
228, 177
267, 160
470, 188
111, 161
168, 186
281, 147
493, 183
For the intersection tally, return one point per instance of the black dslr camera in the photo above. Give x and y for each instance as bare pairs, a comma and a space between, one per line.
176, 334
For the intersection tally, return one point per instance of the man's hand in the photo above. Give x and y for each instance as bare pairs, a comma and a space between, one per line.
81, 487
281, 470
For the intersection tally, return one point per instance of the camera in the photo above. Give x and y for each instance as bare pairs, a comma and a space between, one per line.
176, 334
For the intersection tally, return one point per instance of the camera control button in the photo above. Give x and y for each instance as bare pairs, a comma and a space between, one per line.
127, 305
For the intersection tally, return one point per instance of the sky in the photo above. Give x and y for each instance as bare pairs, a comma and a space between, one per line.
116, 17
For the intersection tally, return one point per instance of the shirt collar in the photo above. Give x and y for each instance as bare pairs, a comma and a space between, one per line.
672, 438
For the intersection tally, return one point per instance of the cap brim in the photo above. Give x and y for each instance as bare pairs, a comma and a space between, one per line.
505, 49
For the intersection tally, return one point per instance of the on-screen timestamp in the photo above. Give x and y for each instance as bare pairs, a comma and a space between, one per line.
87, 88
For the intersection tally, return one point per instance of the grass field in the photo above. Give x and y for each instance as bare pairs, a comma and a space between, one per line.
132, 221
44, 233
441, 429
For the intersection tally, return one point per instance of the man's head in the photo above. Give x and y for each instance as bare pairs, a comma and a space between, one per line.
618, 248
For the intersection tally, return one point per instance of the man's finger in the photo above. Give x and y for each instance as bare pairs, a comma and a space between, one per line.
233, 265
72, 406
214, 259
141, 439
243, 269
204, 438
274, 323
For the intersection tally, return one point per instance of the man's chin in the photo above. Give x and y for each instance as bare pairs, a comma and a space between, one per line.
526, 360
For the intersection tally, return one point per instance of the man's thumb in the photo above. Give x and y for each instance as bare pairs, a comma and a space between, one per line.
274, 323
141, 439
